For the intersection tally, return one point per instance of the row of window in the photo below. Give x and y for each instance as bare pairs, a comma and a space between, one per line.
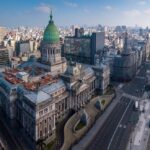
60, 91
45, 110
45, 133
28, 125
53, 51
28, 109
49, 120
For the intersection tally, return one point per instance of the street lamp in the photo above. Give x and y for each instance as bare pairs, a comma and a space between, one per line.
130, 143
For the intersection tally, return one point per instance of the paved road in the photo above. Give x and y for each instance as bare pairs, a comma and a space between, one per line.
122, 134
136, 87
106, 133
83, 144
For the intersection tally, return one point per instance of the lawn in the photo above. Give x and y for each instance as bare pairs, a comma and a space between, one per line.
50, 145
79, 126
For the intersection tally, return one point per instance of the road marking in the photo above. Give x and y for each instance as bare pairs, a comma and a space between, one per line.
118, 125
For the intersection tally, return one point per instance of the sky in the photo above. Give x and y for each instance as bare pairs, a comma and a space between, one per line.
35, 13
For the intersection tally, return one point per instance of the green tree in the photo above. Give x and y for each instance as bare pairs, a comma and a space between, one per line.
103, 102
40, 144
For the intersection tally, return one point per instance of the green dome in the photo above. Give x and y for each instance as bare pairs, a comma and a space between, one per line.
51, 33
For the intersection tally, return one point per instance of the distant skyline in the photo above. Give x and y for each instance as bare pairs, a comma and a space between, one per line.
15, 13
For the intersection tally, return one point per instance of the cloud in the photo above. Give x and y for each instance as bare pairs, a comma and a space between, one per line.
44, 8
142, 2
132, 13
71, 4
108, 8
137, 13
146, 12
86, 10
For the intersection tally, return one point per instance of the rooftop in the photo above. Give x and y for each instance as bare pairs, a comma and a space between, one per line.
37, 97
11, 76
45, 93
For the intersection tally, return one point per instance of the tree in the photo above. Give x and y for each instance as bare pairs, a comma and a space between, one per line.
103, 102
40, 144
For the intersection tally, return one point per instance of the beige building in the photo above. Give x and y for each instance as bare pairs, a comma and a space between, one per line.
3, 32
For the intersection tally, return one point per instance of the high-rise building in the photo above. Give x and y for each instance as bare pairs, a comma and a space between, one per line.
79, 32
4, 56
83, 48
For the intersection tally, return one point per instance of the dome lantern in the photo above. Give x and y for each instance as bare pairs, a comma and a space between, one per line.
51, 17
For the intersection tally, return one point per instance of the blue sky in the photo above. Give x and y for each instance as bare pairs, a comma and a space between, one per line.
79, 12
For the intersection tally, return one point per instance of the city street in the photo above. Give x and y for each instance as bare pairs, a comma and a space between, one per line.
75, 75
116, 133
6, 138
136, 87
113, 127
140, 135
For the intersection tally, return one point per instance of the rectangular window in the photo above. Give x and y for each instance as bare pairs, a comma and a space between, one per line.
41, 113
45, 110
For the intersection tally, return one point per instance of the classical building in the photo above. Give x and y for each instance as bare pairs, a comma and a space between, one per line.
51, 49
125, 65
38, 94
80, 82
102, 72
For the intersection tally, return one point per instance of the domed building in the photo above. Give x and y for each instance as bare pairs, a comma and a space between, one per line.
51, 49
51, 33
37, 95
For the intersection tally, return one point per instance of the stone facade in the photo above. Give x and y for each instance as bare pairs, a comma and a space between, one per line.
8, 97
102, 77
50, 90
51, 55
125, 65
38, 111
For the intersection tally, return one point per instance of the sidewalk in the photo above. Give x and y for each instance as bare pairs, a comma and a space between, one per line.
140, 135
71, 136
82, 145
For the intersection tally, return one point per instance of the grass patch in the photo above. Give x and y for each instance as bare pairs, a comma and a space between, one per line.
103, 102
79, 126
50, 145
